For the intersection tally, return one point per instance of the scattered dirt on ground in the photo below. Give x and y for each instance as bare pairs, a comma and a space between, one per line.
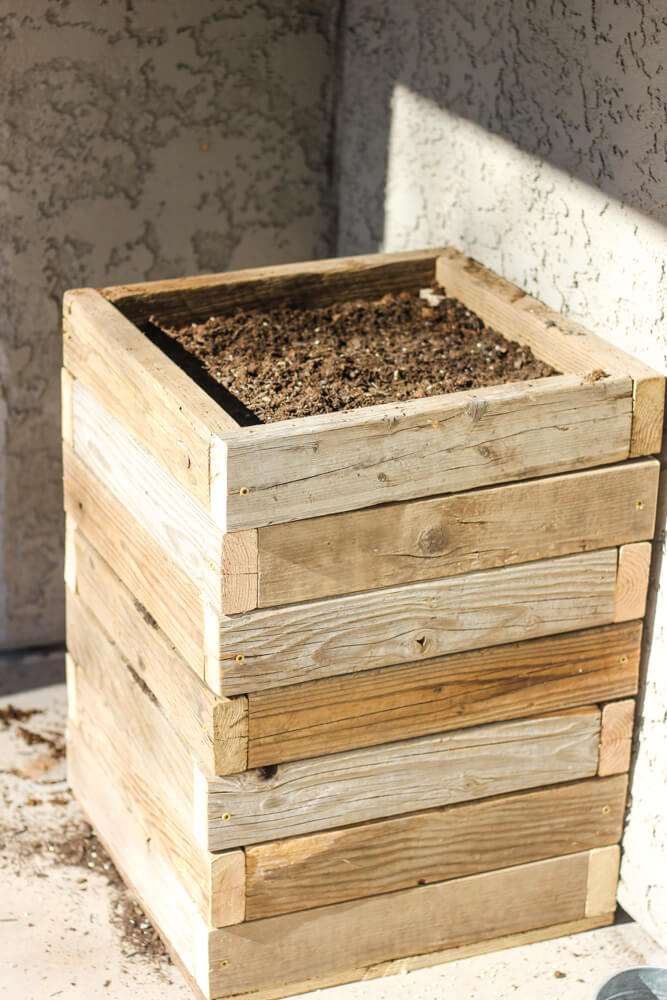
299, 362
56, 745
10, 713
80, 847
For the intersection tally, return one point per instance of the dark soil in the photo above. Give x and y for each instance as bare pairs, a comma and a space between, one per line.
299, 362
10, 713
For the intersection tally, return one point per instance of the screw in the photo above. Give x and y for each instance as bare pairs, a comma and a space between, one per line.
239, 657
606, 810
640, 505
226, 817
244, 491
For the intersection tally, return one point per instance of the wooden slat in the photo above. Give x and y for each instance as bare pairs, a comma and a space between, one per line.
66, 407
554, 338
412, 963
168, 594
359, 785
150, 873
311, 283
300, 642
634, 564
425, 539
214, 729
149, 768
354, 935
451, 692
303, 468
170, 515
162, 406
387, 855
603, 865
616, 737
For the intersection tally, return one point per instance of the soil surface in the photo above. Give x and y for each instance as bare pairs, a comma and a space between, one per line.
294, 362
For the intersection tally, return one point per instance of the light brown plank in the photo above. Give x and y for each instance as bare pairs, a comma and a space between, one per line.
296, 469
311, 283
412, 963
554, 338
634, 564
338, 635
370, 783
163, 408
451, 692
164, 508
66, 404
426, 539
149, 768
167, 593
150, 873
387, 855
616, 737
214, 729
357, 934
603, 865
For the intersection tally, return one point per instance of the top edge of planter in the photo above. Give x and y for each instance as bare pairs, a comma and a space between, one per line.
606, 407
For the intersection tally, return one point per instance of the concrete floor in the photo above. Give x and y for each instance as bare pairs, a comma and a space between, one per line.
63, 924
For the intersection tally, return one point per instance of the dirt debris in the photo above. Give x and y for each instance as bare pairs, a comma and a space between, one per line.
295, 362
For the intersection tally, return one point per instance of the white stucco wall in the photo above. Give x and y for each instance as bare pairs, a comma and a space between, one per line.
531, 136
137, 140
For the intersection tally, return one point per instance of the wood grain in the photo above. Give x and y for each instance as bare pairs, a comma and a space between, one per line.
410, 623
214, 729
311, 283
603, 865
351, 935
150, 770
387, 855
165, 509
412, 963
554, 338
149, 873
616, 736
450, 692
161, 405
426, 539
137, 559
66, 407
359, 785
312, 466
634, 564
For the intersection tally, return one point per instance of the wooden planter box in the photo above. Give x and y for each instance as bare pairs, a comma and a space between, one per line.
354, 693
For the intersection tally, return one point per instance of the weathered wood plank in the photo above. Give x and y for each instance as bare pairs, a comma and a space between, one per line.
150, 873
616, 736
451, 692
161, 405
214, 729
338, 635
554, 338
353, 935
136, 558
426, 539
149, 492
296, 469
435, 846
602, 883
341, 789
634, 564
66, 407
149, 768
412, 963
311, 283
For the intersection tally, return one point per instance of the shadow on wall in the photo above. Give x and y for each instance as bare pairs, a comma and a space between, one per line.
572, 83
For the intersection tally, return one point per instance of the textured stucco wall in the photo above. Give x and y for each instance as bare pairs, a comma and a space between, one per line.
533, 137
137, 140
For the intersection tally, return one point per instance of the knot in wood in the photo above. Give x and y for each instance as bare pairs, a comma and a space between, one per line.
432, 539
475, 409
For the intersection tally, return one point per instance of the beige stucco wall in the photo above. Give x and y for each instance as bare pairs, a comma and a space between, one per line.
137, 140
532, 136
